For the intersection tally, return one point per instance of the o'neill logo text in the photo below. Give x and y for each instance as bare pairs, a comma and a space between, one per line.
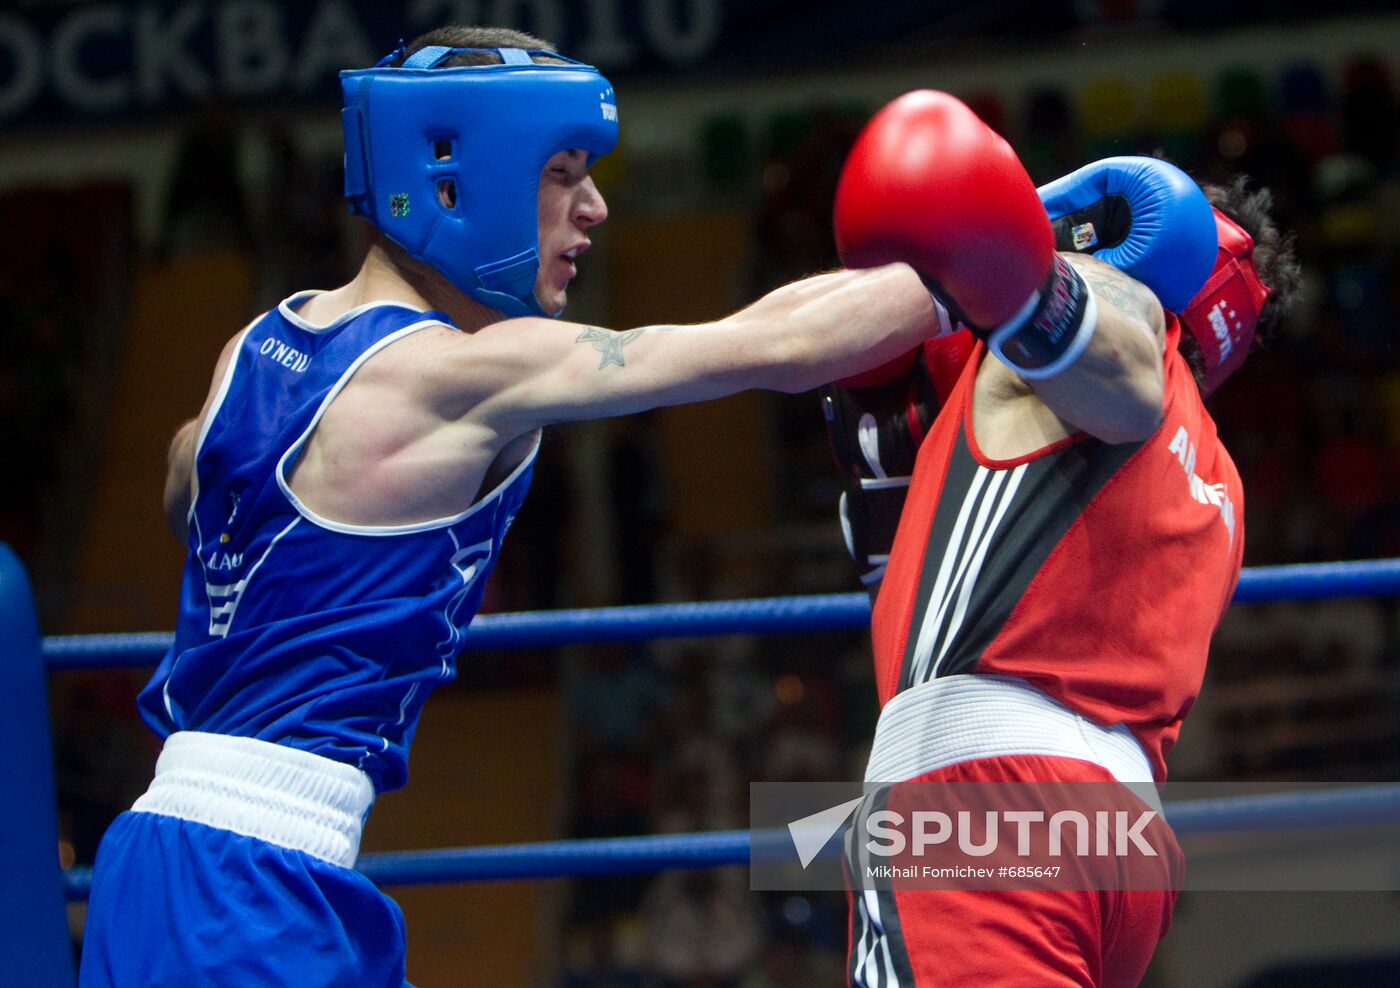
285, 355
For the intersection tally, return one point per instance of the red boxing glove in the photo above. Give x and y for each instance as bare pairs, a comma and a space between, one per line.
929, 184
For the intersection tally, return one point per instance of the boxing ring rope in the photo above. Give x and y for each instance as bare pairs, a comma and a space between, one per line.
761, 616
1351, 807
33, 930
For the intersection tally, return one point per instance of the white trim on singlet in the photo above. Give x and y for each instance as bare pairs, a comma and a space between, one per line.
477, 552
301, 322
218, 403
191, 518
285, 309
423, 526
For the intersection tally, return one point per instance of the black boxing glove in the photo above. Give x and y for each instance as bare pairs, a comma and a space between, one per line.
875, 430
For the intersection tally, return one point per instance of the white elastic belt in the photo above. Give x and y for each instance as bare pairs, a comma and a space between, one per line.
285, 796
955, 719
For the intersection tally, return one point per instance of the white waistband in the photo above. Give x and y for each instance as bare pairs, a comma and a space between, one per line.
955, 719
281, 795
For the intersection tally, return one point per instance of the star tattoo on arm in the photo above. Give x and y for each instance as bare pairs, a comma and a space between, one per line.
609, 344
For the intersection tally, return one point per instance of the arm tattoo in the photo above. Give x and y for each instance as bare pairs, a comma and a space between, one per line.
1132, 299
610, 343
1128, 296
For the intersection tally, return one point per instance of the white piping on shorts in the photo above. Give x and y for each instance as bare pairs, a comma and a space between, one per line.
284, 796
954, 719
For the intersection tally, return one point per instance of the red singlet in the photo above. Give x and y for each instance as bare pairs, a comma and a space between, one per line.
1096, 572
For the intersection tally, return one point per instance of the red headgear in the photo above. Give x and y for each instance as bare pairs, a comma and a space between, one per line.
1225, 311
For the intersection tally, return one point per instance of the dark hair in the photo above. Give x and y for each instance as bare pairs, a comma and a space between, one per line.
458, 36
1274, 259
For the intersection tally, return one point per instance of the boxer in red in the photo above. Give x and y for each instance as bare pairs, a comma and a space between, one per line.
1041, 505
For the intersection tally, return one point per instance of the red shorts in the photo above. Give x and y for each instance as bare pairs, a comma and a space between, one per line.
1016, 937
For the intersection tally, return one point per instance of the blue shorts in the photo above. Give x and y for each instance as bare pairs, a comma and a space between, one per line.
180, 903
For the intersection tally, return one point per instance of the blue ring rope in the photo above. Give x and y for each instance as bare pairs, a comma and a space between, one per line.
1352, 807
765, 615
828, 612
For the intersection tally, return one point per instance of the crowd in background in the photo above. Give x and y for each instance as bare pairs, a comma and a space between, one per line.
667, 737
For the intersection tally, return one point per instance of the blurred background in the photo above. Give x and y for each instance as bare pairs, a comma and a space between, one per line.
169, 170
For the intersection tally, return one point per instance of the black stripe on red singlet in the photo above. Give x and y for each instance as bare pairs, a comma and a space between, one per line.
992, 532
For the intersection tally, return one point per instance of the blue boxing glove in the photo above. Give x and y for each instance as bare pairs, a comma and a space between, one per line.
1144, 216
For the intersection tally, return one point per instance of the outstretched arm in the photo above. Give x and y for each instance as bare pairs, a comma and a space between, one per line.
523, 373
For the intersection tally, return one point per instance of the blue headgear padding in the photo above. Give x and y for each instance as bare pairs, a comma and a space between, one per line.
498, 125
1144, 216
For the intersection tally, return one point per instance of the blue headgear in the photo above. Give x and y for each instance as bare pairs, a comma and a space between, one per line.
479, 136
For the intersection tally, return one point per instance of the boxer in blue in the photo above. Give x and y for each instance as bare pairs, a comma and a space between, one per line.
346, 488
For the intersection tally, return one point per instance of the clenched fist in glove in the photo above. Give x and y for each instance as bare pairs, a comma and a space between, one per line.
930, 184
